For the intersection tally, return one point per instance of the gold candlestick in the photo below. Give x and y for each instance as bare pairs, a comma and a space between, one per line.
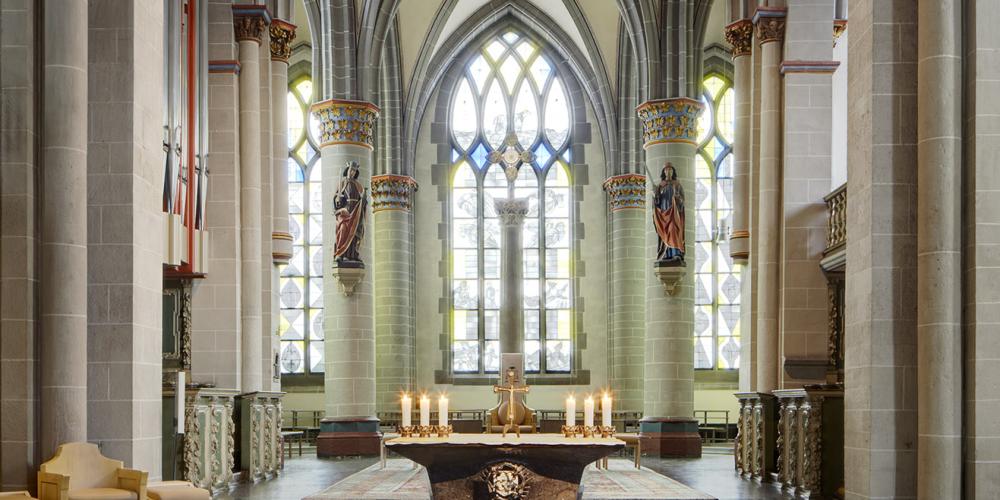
443, 430
570, 430
425, 430
406, 431
607, 431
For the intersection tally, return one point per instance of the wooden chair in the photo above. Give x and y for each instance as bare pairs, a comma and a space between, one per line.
78, 471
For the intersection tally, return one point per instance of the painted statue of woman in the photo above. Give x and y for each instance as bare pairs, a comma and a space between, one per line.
349, 204
668, 216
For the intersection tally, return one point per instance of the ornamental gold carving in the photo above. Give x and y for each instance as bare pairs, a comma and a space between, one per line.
740, 36
346, 122
392, 192
507, 481
770, 29
669, 120
626, 191
282, 34
249, 27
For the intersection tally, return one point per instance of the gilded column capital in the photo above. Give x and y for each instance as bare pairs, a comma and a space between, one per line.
839, 26
249, 22
669, 120
770, 24
740, 35
626, 191
282, 34
392, 192
346, 122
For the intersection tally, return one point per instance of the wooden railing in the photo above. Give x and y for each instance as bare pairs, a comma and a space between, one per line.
836, 233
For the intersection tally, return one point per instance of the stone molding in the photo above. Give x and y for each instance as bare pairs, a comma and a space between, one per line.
249, 22
392, 192
669, 120
770, 24
739, 34
282, 243
224, 66
511, 211
627, 191
282, 34
816, 67
346, 122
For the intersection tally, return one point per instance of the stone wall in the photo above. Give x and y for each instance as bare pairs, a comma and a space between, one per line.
124, 275
19, 215
215, 314
880, 375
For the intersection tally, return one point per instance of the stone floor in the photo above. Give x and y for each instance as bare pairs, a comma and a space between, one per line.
712, 474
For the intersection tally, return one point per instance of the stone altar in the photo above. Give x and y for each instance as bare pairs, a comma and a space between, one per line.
486, 466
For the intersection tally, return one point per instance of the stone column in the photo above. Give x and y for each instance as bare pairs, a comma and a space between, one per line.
282, 34
740, 35
667, 427
63, 301
267, 269
770, 27
395, 333
346, 135
939, 246
249, 23
511, 212
627, 204
880, 373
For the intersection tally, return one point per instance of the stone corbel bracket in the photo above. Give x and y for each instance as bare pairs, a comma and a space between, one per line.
349, 277
670, 276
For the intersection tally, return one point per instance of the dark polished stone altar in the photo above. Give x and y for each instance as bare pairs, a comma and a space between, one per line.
487, 466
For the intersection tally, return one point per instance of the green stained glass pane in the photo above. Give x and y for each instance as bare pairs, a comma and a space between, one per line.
557, 324
495, 49
510, 70
465, 325
713, 85
296, 119
465, 264
727, 115
557, 263
304, 88
525, 49
704, 123
291, 324
463, 116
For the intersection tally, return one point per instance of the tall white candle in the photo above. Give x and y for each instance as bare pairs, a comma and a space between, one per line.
407, 410
606, 410
571, 411
588, 411
443, 411
425, 411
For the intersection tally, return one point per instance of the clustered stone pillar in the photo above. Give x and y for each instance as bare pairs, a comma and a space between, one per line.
395, 333
282, 34
511, 212
939, 246
347, 134
667, 427
268, 272
627, 204
63, 304
770, 26
740, 36
249, 23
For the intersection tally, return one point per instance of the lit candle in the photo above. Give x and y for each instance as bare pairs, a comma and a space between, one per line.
571, 411
407, 410
425, 411
443, 411
606, 410
588, 411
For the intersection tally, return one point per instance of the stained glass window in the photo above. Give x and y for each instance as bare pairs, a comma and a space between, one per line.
301, 282
717, 282
510, 92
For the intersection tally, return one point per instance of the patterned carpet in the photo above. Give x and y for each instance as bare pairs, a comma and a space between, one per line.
400, 480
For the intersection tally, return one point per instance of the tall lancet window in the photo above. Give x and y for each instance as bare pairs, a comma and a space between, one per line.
301, 321
510, 94
717, 283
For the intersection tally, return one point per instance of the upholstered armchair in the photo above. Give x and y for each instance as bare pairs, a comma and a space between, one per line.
78, 471
523, 416
16, 495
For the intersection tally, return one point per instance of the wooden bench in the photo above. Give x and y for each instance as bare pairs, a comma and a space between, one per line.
289, 436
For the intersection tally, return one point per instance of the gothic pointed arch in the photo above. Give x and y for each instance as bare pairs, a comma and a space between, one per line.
434, 63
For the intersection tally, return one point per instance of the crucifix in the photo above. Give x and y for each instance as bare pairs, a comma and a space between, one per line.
513, 389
